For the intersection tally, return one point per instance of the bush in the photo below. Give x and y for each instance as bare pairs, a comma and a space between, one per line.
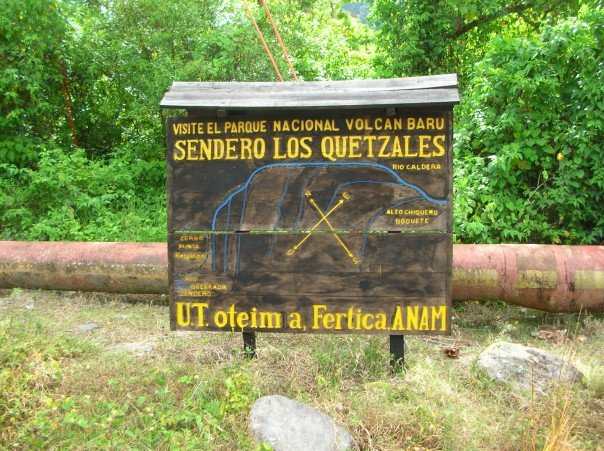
529, 160
70, 197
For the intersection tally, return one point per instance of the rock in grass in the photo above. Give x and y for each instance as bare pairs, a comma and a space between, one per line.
526, 367
288, 425
84, 328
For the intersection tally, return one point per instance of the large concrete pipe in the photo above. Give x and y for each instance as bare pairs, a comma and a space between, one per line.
105, 267
544, 277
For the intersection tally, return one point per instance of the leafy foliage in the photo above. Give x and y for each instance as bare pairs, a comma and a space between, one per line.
81, 134
107, 64
69, 197
421, 37
530, 165
31, 40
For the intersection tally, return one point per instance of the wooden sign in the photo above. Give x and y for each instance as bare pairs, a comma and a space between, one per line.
321, 212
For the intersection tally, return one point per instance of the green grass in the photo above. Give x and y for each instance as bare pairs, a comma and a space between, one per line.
62, 389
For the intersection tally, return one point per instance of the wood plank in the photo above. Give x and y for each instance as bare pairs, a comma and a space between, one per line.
311, 100
321, 314
349, 285
421, 82
311, 94
387, 182
353, 265
313, 252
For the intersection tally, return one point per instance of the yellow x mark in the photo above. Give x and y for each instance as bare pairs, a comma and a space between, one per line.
324, 219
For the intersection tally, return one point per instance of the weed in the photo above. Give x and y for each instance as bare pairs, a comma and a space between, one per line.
59, 389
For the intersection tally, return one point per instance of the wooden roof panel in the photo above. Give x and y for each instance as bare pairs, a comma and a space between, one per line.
429, 90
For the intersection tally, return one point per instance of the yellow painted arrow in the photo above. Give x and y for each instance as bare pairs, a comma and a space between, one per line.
295, 248
324, 218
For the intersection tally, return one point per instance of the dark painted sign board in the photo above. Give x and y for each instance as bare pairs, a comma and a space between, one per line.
311, 207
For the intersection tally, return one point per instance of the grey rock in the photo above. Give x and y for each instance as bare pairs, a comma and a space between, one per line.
525, 367
136, 347
84, 328
288, 425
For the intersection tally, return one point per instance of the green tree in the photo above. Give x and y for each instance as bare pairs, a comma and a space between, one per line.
117, 59
422, 37
529, 157
32, 102
124, 56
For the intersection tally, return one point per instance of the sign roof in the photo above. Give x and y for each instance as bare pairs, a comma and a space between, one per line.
434, 90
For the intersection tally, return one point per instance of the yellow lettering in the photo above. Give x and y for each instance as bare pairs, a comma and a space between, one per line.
408, 152
339, 317
254, 324
179, 146
230, 149
305, 145
246, 149
183, 313
218, 149
412, 318
397, 321
259, 148
277, 148
200, 306
191, 147
354, 146
381, 322
439, 313
328, 320
220, 318
242, 319
295, 320
369, 140
270, 320
327, 148
205, 149
396, 148
317, 315
439, 144
423, 145
214, 128
423, 324
385, 140
365, 323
